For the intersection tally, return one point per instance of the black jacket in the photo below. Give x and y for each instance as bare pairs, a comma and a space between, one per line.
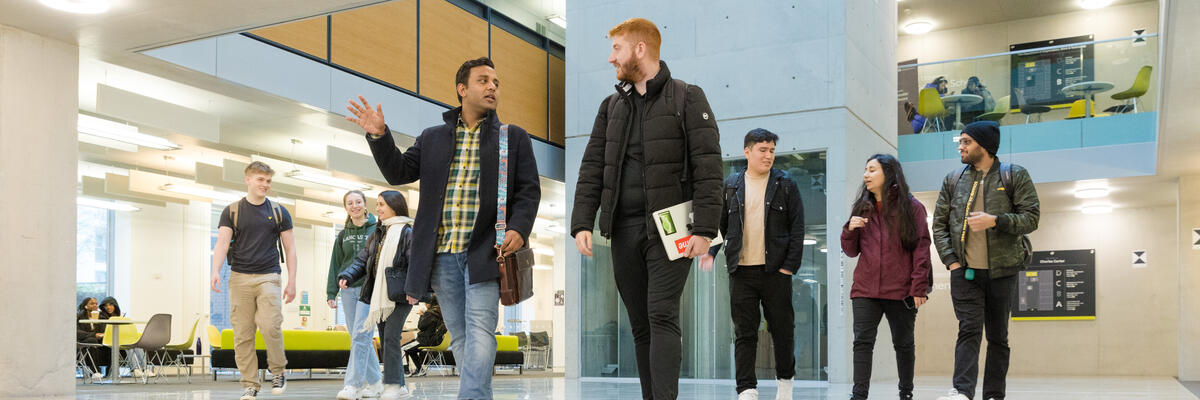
784, 222
367, 259
429, 161
86, 333
430, 327
663, 148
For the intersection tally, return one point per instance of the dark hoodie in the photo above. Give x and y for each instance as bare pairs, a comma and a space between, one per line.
116, 308
349, 241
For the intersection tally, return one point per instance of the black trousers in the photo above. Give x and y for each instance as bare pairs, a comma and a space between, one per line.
416, 357
749, 288
650, 286
981, 305
867, 314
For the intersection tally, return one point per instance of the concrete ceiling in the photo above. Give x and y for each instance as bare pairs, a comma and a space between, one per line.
1124, 193
952, 14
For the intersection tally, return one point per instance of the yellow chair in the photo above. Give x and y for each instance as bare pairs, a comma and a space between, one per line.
929, 105
1079, 109
1140, 85
997, 113
168, 357
129, 334
437, 354
214, 337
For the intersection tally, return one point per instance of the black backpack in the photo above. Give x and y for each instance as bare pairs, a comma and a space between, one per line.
1006, 182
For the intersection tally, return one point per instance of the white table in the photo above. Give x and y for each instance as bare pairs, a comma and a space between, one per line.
1089, 90
958, 101
114, 366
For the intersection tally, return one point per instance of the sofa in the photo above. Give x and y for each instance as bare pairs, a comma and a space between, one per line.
304, 349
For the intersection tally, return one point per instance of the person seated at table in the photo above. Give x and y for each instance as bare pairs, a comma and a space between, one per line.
137, 357
987, 105
91, 334
430, 330
918, 121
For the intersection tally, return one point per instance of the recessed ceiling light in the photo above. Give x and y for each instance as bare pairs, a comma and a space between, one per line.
1094, 4
918, 27
1091, 193
78, 6
1096, 209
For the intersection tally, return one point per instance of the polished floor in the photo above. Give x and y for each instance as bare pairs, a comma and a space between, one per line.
549, 386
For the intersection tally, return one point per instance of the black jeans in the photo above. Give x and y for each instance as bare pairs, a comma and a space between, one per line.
982, 304
867, 314
750, 287
393, 356
650, 286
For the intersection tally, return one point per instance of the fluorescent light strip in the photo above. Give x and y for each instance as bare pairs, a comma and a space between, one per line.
200, 192
810, 242
326, 180
108, 205
102, 128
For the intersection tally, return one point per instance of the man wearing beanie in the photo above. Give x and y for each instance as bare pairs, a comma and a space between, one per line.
983, 213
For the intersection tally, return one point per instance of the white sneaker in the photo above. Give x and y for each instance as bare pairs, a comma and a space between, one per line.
150, 373
954, 395
748, 394
137, 373
785, 389
96, 375
249, 394
372, 390
395, 392
348, 393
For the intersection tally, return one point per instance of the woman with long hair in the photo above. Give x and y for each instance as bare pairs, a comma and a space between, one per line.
888, 233
383, 262
91, 334
363, 377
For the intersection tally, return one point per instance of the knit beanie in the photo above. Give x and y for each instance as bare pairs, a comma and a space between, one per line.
986, 133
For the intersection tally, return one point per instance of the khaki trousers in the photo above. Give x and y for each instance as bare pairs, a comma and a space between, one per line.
255, 303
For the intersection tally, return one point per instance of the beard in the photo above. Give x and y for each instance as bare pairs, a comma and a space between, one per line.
629, 71
972, 157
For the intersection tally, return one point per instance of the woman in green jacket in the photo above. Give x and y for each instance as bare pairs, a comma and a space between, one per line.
363, 376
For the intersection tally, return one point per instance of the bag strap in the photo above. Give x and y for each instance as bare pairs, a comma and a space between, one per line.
233, 215
278, 234
677, 96
502, 187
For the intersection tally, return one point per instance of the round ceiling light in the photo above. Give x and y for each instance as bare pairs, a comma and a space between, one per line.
78, 6
1094, 4
1091, 193
918, 27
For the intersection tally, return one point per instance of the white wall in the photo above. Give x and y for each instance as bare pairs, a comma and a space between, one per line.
1137, 310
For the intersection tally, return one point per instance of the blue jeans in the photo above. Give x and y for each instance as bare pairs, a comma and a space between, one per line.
363, 368
471, 313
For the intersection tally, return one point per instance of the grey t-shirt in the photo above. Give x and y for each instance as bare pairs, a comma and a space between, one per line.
254, 249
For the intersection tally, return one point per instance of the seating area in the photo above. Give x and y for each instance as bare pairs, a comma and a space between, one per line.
143, 353
304, 349
508, 353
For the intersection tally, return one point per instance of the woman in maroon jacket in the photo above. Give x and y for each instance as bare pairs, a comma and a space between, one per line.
888, 234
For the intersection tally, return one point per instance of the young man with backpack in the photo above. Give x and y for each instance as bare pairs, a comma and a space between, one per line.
654, 145
983, 213
255, 233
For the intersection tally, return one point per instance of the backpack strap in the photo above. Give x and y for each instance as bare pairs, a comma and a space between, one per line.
954, 178
278, 234
677, 97
1006, 179
233, 215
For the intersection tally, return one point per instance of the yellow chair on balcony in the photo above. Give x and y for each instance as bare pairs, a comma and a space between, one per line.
1140, 85
929, 105
1078, 110
997, 113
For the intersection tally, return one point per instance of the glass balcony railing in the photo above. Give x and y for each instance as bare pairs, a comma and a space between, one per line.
1061, 96
1033, 85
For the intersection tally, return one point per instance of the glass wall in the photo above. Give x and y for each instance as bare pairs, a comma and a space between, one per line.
607, 342
93, 239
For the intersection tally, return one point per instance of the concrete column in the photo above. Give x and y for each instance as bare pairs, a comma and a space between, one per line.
822, 75
39, 81
1189, 279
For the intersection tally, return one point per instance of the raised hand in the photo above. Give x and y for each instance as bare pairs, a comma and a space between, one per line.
370, 119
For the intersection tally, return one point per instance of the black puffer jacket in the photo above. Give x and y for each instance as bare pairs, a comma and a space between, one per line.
365, 261
663, 148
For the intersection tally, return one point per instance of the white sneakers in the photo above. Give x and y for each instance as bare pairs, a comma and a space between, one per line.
785, 389
372, 390
395, 392
954, 395
96, 375
748, 394
249, 394
348, 393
